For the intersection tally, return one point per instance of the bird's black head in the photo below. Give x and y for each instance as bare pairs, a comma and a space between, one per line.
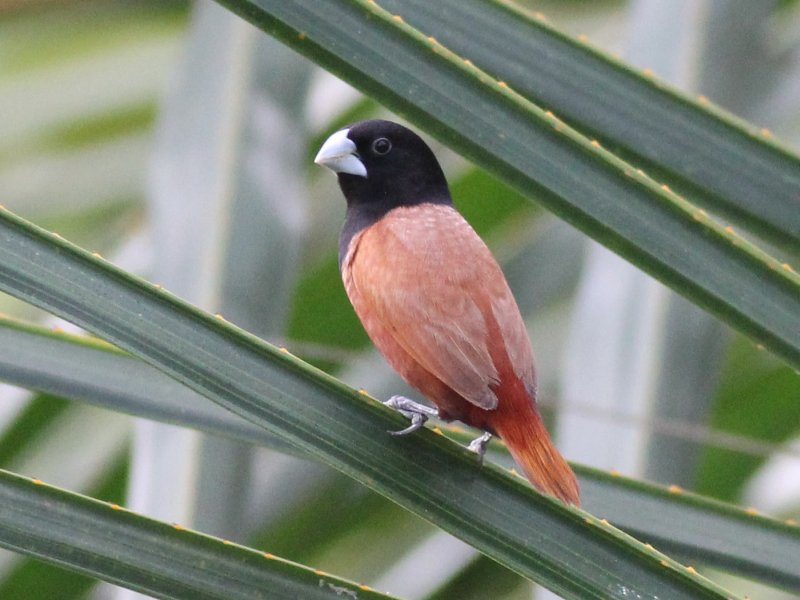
382, 165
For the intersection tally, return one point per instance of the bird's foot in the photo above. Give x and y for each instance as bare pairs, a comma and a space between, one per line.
418, 413
478, 445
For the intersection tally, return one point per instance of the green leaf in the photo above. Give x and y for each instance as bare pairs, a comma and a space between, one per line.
37, 579
88, 369
538, 154
698, 529
721, 161
573, 554
166, 561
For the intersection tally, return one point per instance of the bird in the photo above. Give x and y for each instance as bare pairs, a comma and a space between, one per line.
434, 300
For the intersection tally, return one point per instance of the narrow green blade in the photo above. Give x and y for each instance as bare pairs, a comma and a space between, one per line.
538, 154
573, 554
731, 165
698, 529
162, 560
90, 370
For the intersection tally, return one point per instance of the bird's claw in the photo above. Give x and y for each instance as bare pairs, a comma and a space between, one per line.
478, 445
418, 413
417, 421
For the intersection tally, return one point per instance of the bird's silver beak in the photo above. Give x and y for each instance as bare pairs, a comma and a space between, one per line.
338, 153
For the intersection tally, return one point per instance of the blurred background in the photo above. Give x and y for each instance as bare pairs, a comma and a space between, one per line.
176, 140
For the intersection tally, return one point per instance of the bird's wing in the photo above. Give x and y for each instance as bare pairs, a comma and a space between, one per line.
432, 283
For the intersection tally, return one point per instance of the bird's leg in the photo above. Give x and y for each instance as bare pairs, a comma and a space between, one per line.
418, 413
478, 445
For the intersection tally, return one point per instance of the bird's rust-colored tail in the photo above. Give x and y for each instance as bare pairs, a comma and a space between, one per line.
529, 443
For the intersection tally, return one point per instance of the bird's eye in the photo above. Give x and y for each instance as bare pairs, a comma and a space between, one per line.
381, 146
